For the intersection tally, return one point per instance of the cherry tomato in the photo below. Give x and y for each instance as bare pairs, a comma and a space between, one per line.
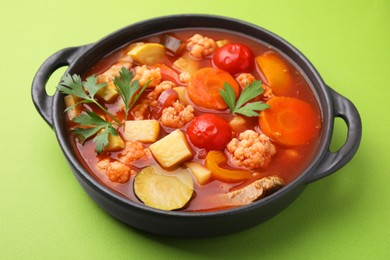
234, 58
209, 131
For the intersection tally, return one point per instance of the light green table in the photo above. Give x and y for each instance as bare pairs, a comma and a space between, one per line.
44, 213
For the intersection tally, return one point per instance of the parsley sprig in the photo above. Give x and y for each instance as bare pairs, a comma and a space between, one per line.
128, 89
72, 85
90, 123
241, 106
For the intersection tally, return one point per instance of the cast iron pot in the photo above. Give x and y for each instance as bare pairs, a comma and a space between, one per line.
186, 224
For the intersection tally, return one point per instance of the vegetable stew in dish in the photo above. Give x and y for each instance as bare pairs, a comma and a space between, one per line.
193, 120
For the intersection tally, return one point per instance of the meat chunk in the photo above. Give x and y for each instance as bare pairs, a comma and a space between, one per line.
254, 191
251, 150
245, 78
177, 115
143, 74
200, 46
115, 170
133, 151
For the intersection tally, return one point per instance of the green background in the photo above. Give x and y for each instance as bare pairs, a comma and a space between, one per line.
45, 214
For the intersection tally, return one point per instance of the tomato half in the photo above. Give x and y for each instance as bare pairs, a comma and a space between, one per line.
234, 58
210, 132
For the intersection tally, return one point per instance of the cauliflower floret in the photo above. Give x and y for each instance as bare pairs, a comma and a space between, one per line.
139, 110
143, 74
200, 46
102, 165
118, 172
113, 71
159, 89
133, 151
115, 171
244, 78
251, 150
185, 77
267, 94
177, 115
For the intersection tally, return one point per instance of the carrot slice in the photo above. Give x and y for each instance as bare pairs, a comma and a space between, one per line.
290, 121
276, 72
205, 85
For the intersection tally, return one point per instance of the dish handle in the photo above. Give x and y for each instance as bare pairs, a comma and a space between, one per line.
43, 101
333, 161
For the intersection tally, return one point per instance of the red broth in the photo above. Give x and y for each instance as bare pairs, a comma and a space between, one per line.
287, 163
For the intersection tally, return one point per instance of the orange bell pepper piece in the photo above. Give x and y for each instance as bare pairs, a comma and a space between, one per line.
214, 159
276, 72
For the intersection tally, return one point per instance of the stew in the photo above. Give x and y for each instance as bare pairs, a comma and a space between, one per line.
193, 120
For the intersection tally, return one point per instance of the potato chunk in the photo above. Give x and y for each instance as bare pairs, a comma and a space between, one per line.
185, 63
108, 93
171, 149
148, 53
182, 92
115, 143
238, 124
163, 190
201, 173
145, 131
71, 100
222, 43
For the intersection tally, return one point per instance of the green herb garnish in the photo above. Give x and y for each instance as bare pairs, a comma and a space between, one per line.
72, 85
99, 126
241, 106
127, 89
91, 124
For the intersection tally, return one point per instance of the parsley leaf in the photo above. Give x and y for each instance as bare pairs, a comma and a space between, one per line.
228, 96
91, 85
92, 124
127, 88
241, 106
72, 85
101, 140
251, 108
